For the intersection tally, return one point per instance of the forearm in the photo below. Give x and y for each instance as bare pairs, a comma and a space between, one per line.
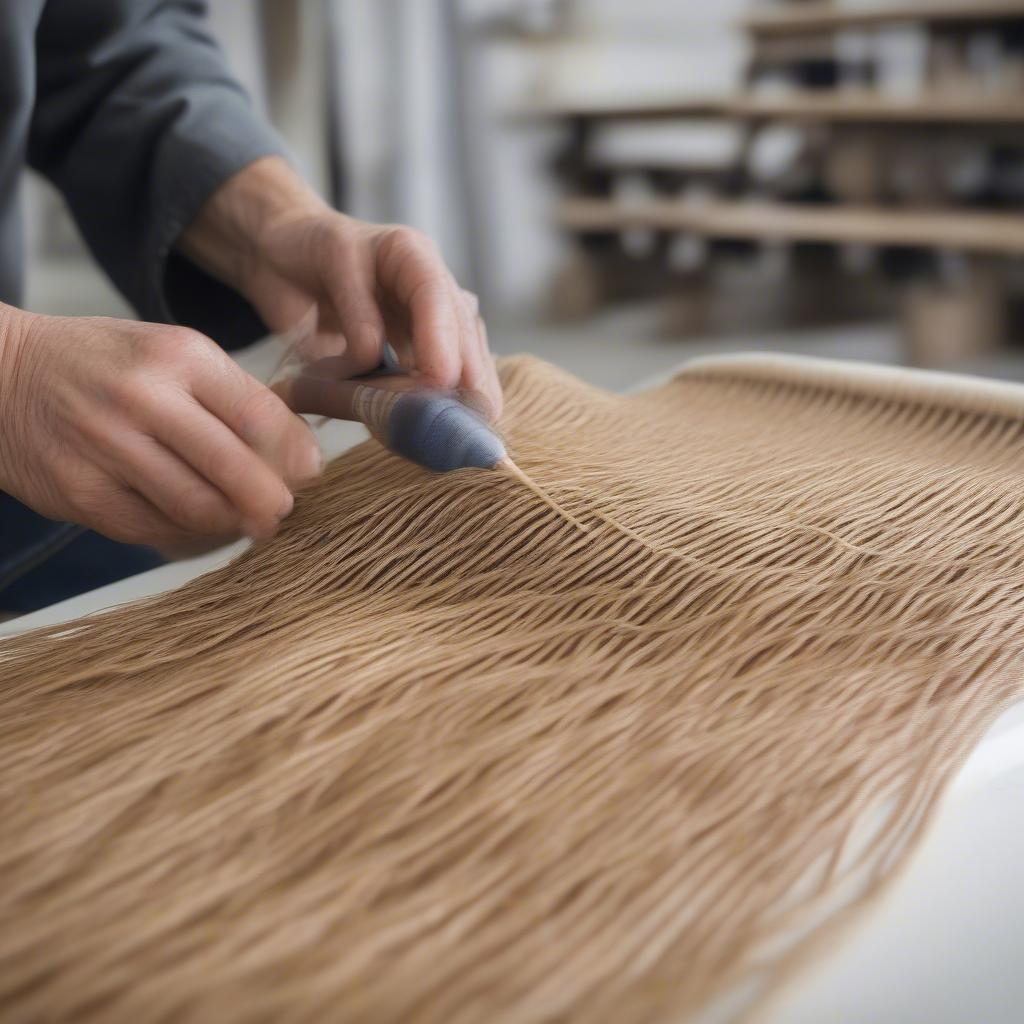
225, 238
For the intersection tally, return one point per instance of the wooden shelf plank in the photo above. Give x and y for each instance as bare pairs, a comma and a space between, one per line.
652, 108
844, 106
961, 230
823, 17
660, 164
872, 108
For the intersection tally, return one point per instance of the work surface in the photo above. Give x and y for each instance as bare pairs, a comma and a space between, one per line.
944, 943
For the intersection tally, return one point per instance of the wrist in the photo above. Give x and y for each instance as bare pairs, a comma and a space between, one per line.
14, 327
227, 236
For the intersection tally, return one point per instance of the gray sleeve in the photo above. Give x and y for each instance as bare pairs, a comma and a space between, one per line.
137, 122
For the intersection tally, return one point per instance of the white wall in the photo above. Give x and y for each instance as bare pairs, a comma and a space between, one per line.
397, 116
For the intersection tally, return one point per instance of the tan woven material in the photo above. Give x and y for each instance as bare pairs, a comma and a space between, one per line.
437, 754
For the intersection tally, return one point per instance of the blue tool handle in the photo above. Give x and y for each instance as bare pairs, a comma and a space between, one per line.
439, 433
431, 428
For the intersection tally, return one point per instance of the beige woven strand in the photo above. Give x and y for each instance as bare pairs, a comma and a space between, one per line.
436, 754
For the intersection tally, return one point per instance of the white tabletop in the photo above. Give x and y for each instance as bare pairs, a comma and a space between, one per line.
944, 945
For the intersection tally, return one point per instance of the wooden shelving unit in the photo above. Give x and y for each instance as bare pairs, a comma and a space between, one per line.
856, 142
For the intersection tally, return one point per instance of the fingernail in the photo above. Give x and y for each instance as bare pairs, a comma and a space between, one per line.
261, 529
370, 341
309, 464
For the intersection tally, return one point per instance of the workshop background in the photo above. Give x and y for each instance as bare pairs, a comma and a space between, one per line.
626, 185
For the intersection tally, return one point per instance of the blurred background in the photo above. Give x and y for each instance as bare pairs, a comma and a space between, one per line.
629, 184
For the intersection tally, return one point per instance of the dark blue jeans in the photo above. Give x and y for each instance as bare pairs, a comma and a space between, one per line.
42, 562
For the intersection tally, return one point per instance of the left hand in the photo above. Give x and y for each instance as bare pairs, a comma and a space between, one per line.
265, 233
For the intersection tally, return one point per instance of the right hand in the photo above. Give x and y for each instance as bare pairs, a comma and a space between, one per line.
147, 433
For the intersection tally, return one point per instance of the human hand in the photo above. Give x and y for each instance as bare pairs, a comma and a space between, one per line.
147, 433
267, 234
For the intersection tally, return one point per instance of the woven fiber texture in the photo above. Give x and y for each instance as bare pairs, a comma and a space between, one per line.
439, 753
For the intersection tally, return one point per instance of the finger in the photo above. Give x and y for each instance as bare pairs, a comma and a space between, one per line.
93, 497
255, 489
316, 395
262, 421
130, 518
339, 367
350, 285
412, 275
320, 394
122, 457
471, 373
492, 382
436, 334
478, 373
171, 485
398, 335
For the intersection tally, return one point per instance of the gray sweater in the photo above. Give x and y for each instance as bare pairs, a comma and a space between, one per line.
128, 108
